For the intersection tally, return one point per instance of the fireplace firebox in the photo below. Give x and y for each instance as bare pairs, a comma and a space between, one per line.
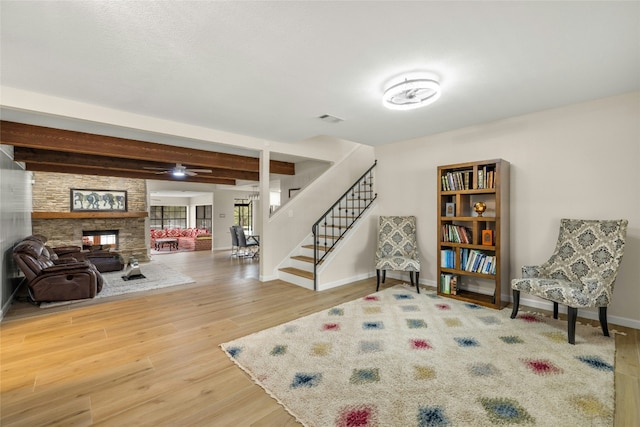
100, 239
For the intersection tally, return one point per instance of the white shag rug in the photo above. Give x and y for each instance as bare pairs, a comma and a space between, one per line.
398, 358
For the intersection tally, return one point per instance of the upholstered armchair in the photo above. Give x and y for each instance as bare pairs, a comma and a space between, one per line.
397, 248
580, 273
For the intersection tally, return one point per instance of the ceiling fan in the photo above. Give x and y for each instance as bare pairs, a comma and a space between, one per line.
179, 170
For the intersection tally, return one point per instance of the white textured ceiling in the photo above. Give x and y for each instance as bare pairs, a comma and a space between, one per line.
269, 69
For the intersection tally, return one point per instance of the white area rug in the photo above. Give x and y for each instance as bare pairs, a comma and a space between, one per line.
398, 358
157, 275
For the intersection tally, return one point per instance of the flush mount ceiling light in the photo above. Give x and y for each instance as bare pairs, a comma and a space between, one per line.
410, 94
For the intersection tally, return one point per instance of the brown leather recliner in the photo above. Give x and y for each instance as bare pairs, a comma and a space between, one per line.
104, 260
48, 281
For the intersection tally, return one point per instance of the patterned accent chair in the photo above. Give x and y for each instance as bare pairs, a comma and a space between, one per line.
580, 273
397, 248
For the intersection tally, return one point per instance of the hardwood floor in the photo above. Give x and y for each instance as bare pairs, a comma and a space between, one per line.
154, 359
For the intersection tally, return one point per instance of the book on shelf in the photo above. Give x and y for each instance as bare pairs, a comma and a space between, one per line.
486, 178
477, 261
456, 234
453, 181
447, 258
448, 284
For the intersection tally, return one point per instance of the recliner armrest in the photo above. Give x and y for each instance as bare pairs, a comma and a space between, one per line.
69, 268
64, 250
65, 261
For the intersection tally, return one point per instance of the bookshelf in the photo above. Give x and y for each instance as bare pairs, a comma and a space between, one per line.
473, 249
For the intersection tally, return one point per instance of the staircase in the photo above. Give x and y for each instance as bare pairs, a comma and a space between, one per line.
328, 231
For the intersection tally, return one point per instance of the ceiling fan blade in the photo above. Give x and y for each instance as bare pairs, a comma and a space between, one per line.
190, 172
154, 169
200, 170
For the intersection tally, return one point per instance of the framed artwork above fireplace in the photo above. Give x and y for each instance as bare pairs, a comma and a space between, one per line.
98, 200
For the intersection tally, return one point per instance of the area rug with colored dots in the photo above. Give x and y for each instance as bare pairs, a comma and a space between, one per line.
399, 358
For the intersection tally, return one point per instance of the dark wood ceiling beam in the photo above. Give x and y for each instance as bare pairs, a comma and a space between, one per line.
282, 168
48, 157
45, 138
80, 170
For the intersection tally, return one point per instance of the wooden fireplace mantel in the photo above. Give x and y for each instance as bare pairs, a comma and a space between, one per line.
78, 215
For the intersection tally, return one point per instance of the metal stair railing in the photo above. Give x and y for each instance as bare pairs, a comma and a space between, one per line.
340, 217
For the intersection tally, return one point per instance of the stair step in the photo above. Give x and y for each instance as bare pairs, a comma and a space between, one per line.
327, 236
298, 272
304, 258
320, 247
335, 226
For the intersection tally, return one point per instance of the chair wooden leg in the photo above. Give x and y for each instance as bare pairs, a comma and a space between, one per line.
603, 321
418, 281
377, 280
572, 315
384, 275
516, 303
555, 310
411, 277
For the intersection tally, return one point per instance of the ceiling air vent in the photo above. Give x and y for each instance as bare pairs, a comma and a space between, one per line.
330, 119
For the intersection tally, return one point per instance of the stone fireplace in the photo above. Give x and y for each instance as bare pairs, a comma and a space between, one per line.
65, 232
52, 218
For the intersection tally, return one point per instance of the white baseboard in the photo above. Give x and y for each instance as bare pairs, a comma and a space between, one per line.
586, 313
330, 285
7, 305
268, 278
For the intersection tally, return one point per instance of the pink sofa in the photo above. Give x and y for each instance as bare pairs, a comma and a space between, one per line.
193, 239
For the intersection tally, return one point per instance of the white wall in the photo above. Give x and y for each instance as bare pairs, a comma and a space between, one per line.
15, 219
580, 161
306, 173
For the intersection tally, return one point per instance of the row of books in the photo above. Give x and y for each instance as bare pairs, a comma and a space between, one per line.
456, 234
449, 284
447, 258
477, 261
486, 178
456, 180
461, 180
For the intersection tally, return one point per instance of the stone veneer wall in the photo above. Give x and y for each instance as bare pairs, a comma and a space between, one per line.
51, 193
